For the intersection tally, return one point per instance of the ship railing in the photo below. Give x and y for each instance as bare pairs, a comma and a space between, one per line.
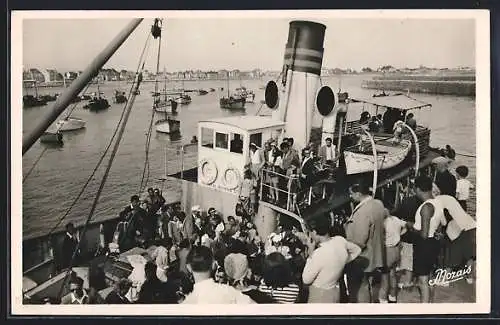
289, 186
188, 154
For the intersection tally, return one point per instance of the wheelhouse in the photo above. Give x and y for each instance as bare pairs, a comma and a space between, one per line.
223, 148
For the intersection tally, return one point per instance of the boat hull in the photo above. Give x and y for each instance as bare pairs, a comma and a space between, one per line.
120, 99
71, 124
388, 157
51, 137
97, 105
232, 104
168, 126
32, 101
183, 101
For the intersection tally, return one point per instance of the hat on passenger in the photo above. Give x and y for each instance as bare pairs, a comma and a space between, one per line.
196, 208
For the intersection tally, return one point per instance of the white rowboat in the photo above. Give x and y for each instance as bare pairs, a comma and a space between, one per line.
389, 154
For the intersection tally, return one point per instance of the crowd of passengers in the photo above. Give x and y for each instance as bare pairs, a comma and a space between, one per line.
379, 252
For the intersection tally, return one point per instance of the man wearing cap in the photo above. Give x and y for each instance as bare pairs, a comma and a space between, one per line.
205, 290
238, 273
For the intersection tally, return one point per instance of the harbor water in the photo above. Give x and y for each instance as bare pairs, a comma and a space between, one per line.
61, 172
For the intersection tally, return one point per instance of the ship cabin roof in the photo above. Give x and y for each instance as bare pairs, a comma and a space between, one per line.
247, 123
400, 102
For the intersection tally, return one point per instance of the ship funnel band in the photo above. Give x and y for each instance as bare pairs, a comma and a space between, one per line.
326, 101
304, 60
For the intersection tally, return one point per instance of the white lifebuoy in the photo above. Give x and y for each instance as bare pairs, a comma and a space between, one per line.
208, 171
231, 178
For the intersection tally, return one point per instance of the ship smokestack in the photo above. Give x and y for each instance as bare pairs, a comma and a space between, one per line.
301, 79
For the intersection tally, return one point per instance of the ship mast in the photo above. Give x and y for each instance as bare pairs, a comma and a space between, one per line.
74, 89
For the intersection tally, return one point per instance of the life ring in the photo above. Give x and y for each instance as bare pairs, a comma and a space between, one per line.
231, 178
208, 171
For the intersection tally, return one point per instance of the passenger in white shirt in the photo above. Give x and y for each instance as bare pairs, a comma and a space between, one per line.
394, 228
463, 186
205, 290
325, 264
257, 160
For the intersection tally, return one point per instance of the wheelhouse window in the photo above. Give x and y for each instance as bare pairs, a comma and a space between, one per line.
207, 137
236, 145
256, 139
221, 140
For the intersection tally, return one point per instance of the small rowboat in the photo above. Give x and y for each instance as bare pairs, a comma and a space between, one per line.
70, 124
52, 137
389, 154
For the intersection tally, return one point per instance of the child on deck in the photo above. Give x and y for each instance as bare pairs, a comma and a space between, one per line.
394, 228
463, 186
247, 192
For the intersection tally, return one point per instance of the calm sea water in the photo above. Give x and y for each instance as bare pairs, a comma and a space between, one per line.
60, 174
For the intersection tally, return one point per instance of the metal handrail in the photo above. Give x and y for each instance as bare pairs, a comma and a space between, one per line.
289, 192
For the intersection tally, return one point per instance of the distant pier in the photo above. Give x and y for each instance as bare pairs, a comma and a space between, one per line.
460, 85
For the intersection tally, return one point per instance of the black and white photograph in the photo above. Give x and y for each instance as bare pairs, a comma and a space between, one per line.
277, 162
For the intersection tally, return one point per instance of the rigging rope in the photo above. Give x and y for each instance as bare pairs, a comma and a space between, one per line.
103, 180
77, 198
156, 32
120, 128
106, 173
34, 164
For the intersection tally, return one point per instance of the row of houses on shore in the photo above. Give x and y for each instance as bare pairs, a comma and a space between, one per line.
52, 76
48, 76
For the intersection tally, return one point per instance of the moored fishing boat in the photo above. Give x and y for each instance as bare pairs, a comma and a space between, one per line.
97, 104
183, 99
243, 92
48, 98
120, 97
168, 125
202, 92
168, 105
232, 103
32, 101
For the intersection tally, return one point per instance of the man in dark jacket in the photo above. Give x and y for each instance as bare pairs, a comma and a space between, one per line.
445, 181
134, 231
69, 246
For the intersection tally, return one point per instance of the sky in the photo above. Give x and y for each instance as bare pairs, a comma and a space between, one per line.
245, 44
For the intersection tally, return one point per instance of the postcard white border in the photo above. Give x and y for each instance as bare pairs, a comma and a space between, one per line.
483, 138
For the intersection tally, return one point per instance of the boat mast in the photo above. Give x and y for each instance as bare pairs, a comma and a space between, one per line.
76, 86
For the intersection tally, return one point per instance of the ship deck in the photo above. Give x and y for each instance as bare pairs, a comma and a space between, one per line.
342, 183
